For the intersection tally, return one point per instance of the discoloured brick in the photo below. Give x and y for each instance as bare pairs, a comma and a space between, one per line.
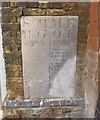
5, 4
13, 4
22, 4
13, 58
28, 11
58, 5
6, 19
68, 5
55, 12
6, 35
6, 11
10, 27
32, 5
44, 5
16, 12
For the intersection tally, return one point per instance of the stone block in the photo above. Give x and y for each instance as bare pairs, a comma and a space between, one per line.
85, 6
5, 4
75, 103
14, 19
8, 59
13, 58
13, 104
25, 104
6, 19
6, 35
36, 103
68, 6
51, 104
13, 4
82, 35
22, 4
13, 73
31, 12
62, 103
55, 12
10, 27
16, 12
7, 45
56, 5
6, 11
7, 49
44, 5
32, 5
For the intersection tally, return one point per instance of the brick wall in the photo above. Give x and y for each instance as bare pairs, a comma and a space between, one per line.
97, 113
92, 80
11, 14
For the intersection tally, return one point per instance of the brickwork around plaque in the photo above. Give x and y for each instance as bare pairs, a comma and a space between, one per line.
11, 15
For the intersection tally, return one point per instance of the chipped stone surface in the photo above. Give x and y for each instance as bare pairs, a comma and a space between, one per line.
49, 47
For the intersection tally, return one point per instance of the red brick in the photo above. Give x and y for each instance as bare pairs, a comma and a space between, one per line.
93, 28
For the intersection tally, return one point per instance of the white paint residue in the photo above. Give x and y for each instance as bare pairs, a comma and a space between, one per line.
41, 103
64, 82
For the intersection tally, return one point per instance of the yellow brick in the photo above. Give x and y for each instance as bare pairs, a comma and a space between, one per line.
13, 4
55, 12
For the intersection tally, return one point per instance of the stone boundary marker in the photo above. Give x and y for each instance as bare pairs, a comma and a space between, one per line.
17, 90
43, 103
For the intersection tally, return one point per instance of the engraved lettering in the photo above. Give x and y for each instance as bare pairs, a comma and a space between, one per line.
39, 23
47, 45
59, 23
53, 23
45, 23
57, 33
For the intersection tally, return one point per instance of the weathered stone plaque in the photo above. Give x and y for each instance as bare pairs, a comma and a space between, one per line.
49, 49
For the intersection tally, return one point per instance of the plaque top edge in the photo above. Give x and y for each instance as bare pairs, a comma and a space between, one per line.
76, 17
